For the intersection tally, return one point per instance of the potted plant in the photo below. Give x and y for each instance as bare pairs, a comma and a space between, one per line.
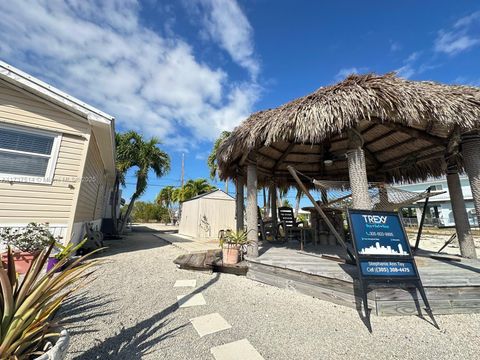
232, 244
27, 243
63, 251
29, 305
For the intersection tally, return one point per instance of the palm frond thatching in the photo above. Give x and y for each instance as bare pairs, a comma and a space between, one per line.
372, 103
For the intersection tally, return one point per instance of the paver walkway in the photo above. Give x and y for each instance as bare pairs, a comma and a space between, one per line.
130, 311
188, 244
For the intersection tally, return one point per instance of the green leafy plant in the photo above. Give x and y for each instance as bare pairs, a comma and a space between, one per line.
234, 238
66, 250
303, 218
33, 238
28, 306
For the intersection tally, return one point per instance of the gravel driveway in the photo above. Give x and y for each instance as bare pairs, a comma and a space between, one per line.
130, 312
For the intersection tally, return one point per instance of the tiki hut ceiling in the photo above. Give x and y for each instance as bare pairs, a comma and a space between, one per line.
407, 128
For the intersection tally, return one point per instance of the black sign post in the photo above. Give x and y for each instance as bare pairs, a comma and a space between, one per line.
384, 257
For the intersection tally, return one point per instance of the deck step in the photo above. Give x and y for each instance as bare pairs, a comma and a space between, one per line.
383, 301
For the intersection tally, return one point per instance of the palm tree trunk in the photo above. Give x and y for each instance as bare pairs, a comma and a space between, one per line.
128, 212
267, 202
297, 202
116, 188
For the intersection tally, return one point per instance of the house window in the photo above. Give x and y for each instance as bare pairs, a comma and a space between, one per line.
27, 155
437, 187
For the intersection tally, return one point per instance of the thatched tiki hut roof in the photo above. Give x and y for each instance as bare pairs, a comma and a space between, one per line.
407, 128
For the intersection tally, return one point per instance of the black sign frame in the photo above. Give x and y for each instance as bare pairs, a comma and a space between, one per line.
399, 281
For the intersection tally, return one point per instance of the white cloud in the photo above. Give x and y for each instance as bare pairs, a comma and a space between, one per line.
414, 65
344, 72
463, 80
227, 25
408, 69
202, 156
468, 20
101, 53
464, 35
395, 46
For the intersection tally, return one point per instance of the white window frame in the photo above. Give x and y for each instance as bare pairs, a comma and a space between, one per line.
52, 162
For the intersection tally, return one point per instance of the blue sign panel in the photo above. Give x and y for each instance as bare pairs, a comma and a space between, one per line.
378, 234
387, 268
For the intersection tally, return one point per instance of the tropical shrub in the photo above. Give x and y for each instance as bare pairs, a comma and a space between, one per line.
33, 238
28, 306
147, 211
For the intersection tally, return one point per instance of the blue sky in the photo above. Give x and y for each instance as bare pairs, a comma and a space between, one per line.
185, 70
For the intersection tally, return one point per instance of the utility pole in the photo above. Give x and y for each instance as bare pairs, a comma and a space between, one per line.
181, 187
183, 169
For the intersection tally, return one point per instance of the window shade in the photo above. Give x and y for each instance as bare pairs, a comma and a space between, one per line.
20, 164
28, 142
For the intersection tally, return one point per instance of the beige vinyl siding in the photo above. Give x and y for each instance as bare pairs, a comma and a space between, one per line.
205, 216
26, 202
19, 108
189, 221
92, 191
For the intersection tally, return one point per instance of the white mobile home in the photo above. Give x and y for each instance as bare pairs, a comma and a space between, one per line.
205, 215
57, 162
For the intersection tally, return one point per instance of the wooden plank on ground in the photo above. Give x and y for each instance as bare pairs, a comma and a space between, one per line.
193, 261
439, 307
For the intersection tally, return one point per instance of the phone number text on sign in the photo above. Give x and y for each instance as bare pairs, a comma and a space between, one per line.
387, 268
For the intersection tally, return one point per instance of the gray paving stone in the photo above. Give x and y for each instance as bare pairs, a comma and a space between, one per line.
209, 324
185, 283
237, 350
191, 300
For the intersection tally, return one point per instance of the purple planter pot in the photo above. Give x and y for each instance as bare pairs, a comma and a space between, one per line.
51, 263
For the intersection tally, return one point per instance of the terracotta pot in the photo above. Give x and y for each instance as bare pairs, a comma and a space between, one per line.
22, 261
230, 254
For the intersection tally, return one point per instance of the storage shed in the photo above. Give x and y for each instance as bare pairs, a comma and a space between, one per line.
205, 215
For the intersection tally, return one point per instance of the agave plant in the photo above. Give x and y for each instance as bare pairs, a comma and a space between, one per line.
27, 307
235, 238
69, 249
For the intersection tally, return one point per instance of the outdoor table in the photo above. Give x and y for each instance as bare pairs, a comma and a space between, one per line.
321, 232
303, 235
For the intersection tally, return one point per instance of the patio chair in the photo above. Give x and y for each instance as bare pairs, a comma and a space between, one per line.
265, 227
291, 227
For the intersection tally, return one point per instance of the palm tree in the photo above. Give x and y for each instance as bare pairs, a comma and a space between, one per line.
212, 158
177, 195
134, 151
286, 203
298, 197
167, 198
282, 192
195, 187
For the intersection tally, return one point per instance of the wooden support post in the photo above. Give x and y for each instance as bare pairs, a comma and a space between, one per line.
462, 226
471, 159
252, 209
357, 171
273, 205
240, 200
321, 212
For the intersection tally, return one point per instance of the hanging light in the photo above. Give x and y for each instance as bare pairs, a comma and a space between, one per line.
327, 158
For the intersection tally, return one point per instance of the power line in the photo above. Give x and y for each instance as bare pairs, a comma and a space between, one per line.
160, 185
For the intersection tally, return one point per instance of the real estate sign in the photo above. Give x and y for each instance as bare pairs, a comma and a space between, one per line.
382, 251
381, 244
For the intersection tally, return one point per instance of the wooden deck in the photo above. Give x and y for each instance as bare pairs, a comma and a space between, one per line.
451, 286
